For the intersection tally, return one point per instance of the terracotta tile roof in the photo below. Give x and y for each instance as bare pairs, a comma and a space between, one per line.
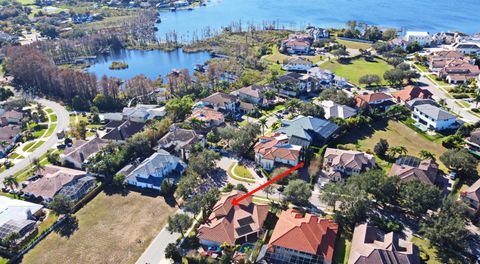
253, 90
371, 246
411, 92
361, 99
220, 99
349, 159
310, 234
13, 114
207, 114
460, 69
227, 223
53, 180
8, 132
275, 146
426, 171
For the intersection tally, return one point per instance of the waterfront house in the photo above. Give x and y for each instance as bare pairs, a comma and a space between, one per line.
119, 131
339, 164
81, 150
302, 238
317, 33
334, 110
208, 116
276, 149
254, 94
409, 168
299, 45
220, 102
306, 130
231, 224
431, 117
371, 245
411, 92
467, 45
440, 59
60, 180
298, 64
381, 101
471, 196
141, 113
422, 38
160, 166
180, 141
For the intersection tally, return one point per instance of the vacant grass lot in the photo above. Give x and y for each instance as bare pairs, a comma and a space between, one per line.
354, 44
112, 228
397, 134
356, 68
276, 56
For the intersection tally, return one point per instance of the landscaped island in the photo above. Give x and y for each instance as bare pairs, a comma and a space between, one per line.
118, 65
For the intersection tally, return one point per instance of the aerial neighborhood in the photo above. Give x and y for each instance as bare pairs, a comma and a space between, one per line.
127, 138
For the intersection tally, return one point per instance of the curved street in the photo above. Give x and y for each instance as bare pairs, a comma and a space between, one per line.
63, 121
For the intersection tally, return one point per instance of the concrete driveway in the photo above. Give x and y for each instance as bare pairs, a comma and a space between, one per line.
63, 121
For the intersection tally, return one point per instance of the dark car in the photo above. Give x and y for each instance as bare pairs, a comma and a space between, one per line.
61, 146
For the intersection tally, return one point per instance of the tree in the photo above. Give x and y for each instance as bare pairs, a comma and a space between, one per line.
240, 139
263, 124
331, 194
10, 240
269, 190
311, 109
53, 158
37, 166
11, 181
119, 180
447, 228
340, 52
398, 112
337, 96
204, 202
370, 79
178, 108
241, 187
425, 154
179, 223
61, 204
188, 184
381, 147
394, 76
171, 252
284, 180
398, 150
203, 163
297, 192
418, 197
460, 161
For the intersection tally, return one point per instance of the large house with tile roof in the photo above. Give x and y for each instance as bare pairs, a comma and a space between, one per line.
339, 164
209, 117
440, 59
297, 238
409, 168
233, 224
411, 92
180, 141
275, 148
471, 196
371, 246
459, 71
380, 101
221, 101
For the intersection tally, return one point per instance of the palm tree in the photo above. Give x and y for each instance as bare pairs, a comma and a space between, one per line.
442, 102
398, 150
11, 182
263, 124
37, 166
269, 189
425, 154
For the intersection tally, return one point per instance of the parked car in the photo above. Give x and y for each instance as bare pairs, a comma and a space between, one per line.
452, 175
61, 146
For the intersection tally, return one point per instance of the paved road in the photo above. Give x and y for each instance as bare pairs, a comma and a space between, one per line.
63, 121
155, 253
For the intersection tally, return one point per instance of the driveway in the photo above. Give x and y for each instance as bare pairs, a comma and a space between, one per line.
63, 121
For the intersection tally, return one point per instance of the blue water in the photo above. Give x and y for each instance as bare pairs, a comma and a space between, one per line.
425, 15
151, 63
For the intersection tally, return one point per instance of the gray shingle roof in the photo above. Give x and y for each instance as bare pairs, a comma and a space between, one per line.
308, 128
435, 112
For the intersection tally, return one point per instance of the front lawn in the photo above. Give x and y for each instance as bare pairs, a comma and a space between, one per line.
112, 228
277, 57
397, 134
242, 171
354, 44
426, 249
342, 249
355, 68
35, 146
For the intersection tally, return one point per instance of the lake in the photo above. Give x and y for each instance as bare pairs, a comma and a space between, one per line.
425, 15
150, 63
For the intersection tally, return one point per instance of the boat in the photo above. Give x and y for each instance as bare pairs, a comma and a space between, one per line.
173, 9
159, 20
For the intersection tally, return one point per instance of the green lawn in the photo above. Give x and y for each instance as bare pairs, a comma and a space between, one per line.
36, 145
230, 174
276, 56
342, 250
242, 171
28, 145
397, 134
16, 156
53, 118
354, 44
26, 2
462, 104
424, 246
39, 133
49, 110
421, 67
356, 68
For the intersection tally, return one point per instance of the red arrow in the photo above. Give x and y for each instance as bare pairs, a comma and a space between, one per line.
237, 201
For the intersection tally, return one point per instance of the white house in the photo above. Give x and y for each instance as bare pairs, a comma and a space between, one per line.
141, 113
156, 168
470, 45
335, 110
423, 38
298, 64
433, 117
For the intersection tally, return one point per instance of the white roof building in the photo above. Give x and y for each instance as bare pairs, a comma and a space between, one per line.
333, 109
13, 209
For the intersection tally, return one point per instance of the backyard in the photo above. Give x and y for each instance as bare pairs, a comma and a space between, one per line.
355, 68
112, 228
397, 134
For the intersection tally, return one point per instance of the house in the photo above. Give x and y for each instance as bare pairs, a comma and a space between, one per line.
471, 196
306, 130
209, 117
141, 113
469, 45
12, 117
370, 245
221, 102
473, 142
294, 84
324, 77
297, 64
17, 216
432, 117
459, 71
380, 101
60, 180
179, 141
440, 59
422, 38
246, 108
301, 238
411, 92
160, 166
120, 131
338, 163
80, 151
296, 45
399, 42
334, 110
417, 101
253, 94
233, 224
409, 168
10, 135
275, 148
317, 33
